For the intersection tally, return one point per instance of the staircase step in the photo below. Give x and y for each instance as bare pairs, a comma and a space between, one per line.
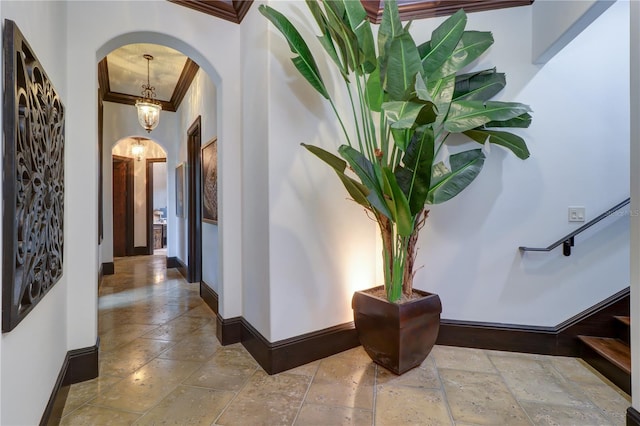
613, 350
623, 319
611, 357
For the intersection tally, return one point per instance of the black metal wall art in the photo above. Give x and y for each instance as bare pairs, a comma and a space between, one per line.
33, 180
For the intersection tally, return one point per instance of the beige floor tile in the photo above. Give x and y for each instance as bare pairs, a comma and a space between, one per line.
535, 380
201, 311
462, 359
481, 398
188, 406
344, 380
404, 405
323, 415
193, 348
611, 400
82, 392
128, 358
228, 369
267, 400
561, 415
576, 370
306, 370
177, 329
426, 376
90, 415
146, 387
122, 334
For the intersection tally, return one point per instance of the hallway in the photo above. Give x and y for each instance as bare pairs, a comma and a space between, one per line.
160, 363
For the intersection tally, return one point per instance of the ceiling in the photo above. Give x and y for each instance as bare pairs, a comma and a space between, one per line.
122, 73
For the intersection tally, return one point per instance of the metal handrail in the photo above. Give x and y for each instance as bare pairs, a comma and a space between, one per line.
568, 241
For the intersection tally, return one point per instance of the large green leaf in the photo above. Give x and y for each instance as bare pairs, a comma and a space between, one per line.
522, 121
365, 170
441, 92
479, 86
390, 28
472, 44
402, 212
403, 65
467, 115
465, 166
402, 115
374, 93
342, 32
513, 142
361, 26
325, 39
414, 177
444, 40
304, 62
358, 191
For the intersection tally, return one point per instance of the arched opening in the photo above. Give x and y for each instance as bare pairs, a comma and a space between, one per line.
139, 196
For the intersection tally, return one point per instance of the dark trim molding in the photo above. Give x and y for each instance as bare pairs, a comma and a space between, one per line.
184, 82
560, 340
430, 9
129, 221
296, 351
633, 417
194, 202
180, 266
209, 296
233, 11
172, 262
78, 365
140, 251
108, 268
229, 330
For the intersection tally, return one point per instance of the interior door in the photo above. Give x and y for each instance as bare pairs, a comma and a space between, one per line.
122, 206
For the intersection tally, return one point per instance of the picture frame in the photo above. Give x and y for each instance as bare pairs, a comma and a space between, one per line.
209, 166
33, 180
180, 190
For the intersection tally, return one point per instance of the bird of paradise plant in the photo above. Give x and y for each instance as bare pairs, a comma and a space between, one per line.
406, 100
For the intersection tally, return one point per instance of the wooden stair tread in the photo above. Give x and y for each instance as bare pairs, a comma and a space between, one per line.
614, 350
623, 319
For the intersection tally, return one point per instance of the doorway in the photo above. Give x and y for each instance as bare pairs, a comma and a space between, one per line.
122, 206
194, 204
157, 205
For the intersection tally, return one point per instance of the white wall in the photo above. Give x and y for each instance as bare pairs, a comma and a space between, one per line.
557, 22
201, 100
321, 245
32, 353
160, 186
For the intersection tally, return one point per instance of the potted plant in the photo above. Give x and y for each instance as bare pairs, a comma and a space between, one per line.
408, 101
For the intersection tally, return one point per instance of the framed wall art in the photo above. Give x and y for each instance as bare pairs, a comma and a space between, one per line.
180, 190
33, 180
210, 182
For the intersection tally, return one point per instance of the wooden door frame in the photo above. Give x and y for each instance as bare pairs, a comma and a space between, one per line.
194, 202
149, 185
129, 224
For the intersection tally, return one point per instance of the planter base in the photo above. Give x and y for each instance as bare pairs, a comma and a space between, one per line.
397, 336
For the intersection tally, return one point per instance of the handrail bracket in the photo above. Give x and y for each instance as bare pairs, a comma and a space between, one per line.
566, 246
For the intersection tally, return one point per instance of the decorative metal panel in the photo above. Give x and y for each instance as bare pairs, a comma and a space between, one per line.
33, 180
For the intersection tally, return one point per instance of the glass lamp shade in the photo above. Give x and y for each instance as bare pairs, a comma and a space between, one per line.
148, 114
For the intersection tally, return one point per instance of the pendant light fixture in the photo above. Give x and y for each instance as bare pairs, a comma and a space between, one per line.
148, 108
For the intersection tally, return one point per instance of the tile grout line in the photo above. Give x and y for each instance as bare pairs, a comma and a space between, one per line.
304, 398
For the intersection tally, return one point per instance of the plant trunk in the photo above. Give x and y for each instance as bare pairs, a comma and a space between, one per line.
386, 232
407, 279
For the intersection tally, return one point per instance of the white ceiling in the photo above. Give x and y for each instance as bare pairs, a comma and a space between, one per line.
128, 69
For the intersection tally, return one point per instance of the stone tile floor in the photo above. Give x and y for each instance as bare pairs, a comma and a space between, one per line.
160, 364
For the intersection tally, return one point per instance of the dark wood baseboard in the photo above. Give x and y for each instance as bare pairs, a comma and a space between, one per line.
209, 296
172, 262
229, 330
296, 351
141, 251
182, 268
78, 365
633, 417
560, 340
108, 268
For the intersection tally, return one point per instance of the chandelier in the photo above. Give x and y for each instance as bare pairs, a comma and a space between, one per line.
148, 108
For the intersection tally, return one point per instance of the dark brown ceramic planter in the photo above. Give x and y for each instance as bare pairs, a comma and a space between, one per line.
397, 336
